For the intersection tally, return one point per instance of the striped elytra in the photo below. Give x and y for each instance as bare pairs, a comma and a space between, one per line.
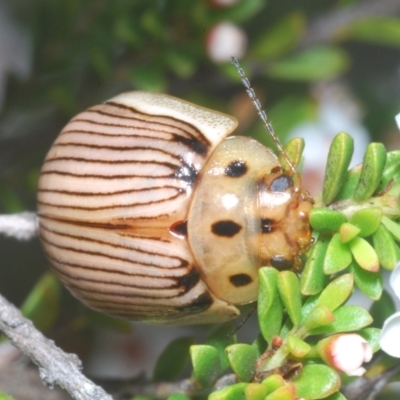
149, 211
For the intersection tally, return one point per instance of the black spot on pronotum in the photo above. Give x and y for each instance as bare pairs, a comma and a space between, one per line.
227, 228
236, 168
281, 263
267, 225
239, 280
281, 183
179, 228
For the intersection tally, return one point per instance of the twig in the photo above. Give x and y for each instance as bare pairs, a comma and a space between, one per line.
55, 366
22, 226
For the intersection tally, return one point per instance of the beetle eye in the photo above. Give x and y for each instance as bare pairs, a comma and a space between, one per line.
281, 183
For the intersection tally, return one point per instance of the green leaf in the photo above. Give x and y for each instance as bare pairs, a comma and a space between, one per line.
348, 318
289, 290
297, 347
371, 335
43, 303
220, 338
325, 220
270, 311
350, 183
294, 149
371, 172
337, 292
377, 29
370, 283
273, 382
313, 64
339, 157
318, 316
336, 396
386, 248
280, 38
338, 256
391, 170
364, 254
178, 351
287, 392
313, 279
316, 382
149, 78
348, 232
232, 392
259, 344
5, 396
243, 359
367, 220
239, 12
181, 62
392, 227
206, 364
255, 391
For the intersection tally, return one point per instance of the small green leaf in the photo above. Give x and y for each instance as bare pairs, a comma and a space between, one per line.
364, 254
350, 183
177, 350
337, 292
206, 364
371, 335
43, 302
313, 279
270, 311
255, 391
287, 392
319, 316
367, 220
336, 396
372, 170
317, 382
326, 220
386, 248
259, 344
5, 396
289, 290
294, 149
273, 382
370, 283
339, 157
297, 347
376, 29
220, 338
338, 256
392, 226
313, 64
348, 232
392, 169
232, 392
347, 319
242, 358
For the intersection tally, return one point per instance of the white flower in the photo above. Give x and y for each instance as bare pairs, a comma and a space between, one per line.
346, 353
389, 339
224, 41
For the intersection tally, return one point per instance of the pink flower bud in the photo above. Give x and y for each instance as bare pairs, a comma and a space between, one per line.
226, 40
346, 352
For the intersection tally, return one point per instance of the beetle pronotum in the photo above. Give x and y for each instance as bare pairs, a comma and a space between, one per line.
149, 211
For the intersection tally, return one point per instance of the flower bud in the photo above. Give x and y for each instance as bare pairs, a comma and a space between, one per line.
345, 352
224, 41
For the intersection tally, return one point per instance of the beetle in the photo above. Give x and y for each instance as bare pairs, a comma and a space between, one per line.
149, 210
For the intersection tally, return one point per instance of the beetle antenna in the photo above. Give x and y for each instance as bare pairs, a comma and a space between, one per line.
261, 112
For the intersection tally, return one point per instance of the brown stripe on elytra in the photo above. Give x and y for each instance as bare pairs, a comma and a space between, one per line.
182, 262
105, 255
113, 206
129, 176
84, 194
197, 141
